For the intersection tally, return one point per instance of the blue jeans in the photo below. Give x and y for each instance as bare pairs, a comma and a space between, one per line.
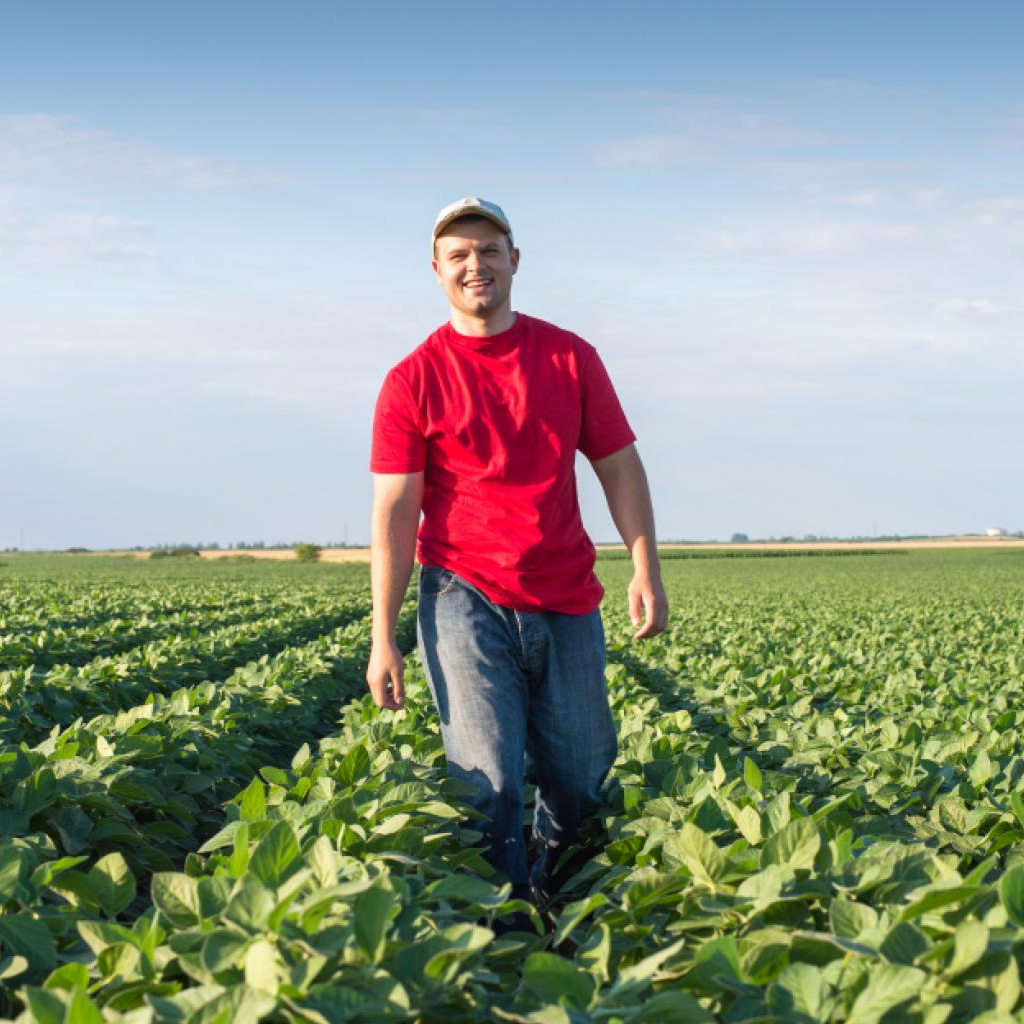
517, 692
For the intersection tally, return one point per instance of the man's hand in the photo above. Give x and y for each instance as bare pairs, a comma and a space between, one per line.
629, 500
397, 499
647, 603
385, 676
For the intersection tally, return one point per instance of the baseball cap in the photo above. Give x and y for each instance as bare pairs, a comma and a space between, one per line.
473, 206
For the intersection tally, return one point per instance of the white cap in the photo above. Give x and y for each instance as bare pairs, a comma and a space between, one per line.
472, 206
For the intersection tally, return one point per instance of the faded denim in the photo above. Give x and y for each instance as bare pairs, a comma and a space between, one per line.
518, 692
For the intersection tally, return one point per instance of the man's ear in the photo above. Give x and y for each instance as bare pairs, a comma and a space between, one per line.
515, 260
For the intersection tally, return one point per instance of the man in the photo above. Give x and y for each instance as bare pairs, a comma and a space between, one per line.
477, 429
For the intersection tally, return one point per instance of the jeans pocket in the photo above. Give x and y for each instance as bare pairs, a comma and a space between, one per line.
436, 582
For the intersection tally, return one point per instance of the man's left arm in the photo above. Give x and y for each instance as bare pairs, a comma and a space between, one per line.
629, 500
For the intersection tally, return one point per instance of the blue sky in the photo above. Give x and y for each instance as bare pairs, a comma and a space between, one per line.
794, 231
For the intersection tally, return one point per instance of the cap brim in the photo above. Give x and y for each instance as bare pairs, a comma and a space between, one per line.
470, 212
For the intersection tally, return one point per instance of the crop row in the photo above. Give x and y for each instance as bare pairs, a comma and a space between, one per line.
33, 701
914, 710
70, 605
129, 794
39, 639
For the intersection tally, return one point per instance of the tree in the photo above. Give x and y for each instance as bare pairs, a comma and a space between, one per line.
739, 538
308, 552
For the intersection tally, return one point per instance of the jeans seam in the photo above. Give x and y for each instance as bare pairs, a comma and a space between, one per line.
523, 654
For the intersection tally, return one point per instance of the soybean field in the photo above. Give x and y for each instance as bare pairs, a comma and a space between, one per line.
817, 813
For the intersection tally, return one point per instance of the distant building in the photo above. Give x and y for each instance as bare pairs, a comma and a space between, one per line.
995, 531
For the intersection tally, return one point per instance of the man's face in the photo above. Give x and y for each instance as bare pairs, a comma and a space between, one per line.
475, 264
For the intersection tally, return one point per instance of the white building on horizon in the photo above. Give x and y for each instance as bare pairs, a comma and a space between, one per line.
995, 531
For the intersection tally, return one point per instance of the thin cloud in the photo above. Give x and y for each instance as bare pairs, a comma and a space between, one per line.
807, 237
928, 197
61, 148
837, 86
648, 151
32, 238
971, 309
832, 169
872, 197
869, 199
1000, 216
689, 128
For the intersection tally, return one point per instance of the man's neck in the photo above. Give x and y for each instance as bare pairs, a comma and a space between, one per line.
482, 327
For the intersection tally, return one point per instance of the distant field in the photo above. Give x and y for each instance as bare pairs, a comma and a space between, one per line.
363, 554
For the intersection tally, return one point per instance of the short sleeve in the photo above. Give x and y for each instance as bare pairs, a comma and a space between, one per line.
604, 429
398, 443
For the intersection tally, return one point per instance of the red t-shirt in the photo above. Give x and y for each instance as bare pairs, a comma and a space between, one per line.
495, 424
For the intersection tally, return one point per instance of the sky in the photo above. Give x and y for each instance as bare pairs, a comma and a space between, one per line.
794, 232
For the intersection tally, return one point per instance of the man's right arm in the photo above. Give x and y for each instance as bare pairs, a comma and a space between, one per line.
397, 500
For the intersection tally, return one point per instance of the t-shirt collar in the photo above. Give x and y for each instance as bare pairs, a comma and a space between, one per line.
492, 342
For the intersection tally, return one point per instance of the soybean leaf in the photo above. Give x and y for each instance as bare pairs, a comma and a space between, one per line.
252, 801
68, 976
694, 848
970, 942
981, 771
51, 869
459, 942
45, 1007
176, 896
223, 948
1011, 893
1017, 803
467, 889
98, 935
672, 1008
82, 1010
996, 973
752, 774
323, 860
238, 862
261, 966
354, 765
799, 991
797, 845
112, 884
716, 966
747, 820
779, 812
372, 914
904, 944
849, 919
573, 913
13, 865
552, 978
639, 975
277, 855
37, 791
595, 953
888, 986
938, 897
29, 938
